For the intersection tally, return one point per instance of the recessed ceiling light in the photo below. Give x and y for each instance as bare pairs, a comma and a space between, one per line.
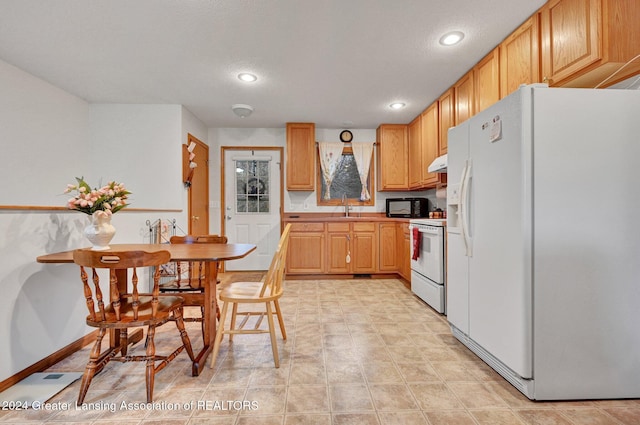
451, 38
249, 78
397, 105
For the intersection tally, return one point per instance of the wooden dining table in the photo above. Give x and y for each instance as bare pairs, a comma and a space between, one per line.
210, 254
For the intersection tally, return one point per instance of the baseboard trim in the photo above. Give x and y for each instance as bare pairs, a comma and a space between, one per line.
312, 276
49, 360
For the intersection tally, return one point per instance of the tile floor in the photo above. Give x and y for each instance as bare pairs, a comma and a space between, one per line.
358, 352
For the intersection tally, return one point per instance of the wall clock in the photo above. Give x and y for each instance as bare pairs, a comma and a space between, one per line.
346, 136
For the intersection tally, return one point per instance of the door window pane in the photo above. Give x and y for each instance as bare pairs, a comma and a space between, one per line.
252, 186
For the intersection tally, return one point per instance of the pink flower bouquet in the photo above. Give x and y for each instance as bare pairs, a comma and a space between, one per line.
108, 200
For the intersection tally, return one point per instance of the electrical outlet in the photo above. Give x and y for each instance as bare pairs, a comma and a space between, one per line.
306, 205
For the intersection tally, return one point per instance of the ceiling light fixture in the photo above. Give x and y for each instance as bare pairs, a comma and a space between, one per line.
246, 77
242, 110
451, 38
397, 105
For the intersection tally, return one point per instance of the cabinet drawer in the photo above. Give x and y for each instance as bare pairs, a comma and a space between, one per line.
307, 227
338, 227
364, 227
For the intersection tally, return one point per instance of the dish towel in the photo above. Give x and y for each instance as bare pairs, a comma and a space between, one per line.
416, 243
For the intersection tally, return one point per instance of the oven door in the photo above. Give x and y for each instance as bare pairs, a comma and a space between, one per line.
430, 261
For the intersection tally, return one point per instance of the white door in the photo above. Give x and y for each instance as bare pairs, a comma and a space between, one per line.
252, 205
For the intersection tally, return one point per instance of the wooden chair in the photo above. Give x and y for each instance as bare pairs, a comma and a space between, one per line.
190, 277
267, 292
127, 310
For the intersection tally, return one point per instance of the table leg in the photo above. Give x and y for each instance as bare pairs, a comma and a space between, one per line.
211, 272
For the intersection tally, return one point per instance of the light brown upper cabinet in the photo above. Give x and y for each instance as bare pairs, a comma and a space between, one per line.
415, 152
464, 98
423, 149
429, 147
520, 57
478, 88
446, 119
585, 41
301, 150
392, 157
486, 84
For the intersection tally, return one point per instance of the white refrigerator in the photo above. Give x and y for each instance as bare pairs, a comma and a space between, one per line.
543, 241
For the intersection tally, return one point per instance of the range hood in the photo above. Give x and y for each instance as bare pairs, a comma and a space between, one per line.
439, 165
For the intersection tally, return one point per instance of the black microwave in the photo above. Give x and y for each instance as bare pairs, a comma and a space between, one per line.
407, 207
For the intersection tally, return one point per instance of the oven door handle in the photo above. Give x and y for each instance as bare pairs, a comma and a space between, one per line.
430, 232
425, 231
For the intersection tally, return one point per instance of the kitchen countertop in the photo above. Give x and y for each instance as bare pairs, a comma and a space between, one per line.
338, 217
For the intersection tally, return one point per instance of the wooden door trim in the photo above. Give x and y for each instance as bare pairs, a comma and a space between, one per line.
223, 150
192, 138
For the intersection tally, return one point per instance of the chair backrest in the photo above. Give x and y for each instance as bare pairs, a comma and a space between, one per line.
274, 278
112, 261
195, 274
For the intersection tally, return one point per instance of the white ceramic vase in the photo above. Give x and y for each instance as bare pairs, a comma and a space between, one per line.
100, 231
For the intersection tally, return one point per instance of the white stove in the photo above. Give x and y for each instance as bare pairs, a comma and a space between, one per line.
428, 272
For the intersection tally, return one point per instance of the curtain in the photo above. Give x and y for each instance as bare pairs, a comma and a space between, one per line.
362, 153
330, 156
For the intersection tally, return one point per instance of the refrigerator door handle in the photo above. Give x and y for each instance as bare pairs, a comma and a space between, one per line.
461, 206
464, 208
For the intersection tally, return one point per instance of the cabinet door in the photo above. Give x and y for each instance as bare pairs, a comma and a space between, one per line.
388, 254
301, 150
570, 37
519, 57
487, 81
338, 247
393, 157
429, 148
415, 153
446, 119
404, 246
365, 248
464, 100
306, 253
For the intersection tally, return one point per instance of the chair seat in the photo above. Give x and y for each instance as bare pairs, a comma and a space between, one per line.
245, 292
166, 304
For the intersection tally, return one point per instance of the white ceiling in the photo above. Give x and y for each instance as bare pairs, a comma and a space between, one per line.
338, 63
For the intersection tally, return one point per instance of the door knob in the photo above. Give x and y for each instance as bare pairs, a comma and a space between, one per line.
195, 217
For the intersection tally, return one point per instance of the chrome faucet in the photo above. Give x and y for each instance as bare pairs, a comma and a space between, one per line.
345, 202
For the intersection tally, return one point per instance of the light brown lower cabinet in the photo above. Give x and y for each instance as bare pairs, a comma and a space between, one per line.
404, 248
352, 247
346, 247
365, 248
388, 257
306, 253
338, 247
